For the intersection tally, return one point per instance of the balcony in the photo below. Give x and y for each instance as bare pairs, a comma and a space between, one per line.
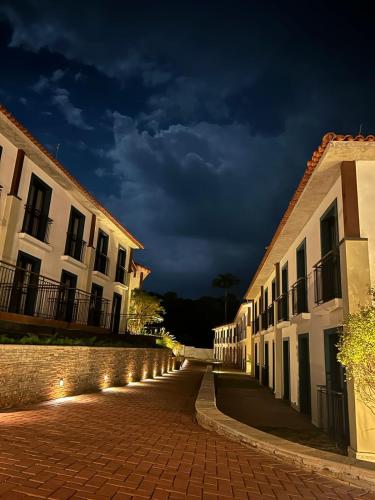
101, 263
26, 293
36, 224
327, 278
75, 247
271, 315
283, 307
299, 296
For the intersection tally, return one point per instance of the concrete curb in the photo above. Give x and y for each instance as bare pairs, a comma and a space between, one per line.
351, 471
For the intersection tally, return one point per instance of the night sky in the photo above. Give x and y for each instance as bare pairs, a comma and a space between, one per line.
192, 122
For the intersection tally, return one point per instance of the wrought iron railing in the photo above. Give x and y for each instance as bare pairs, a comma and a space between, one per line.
299, 296
332, 414
327, 278
271, 315
75, 247
101, 263
36, 223
28, 293
283, 307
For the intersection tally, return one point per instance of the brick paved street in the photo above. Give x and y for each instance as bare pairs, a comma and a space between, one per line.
140, 442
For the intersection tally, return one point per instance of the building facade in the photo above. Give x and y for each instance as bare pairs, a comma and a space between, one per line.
232, 341
317, 269
65, 260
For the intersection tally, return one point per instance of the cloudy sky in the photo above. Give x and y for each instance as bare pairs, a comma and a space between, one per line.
191, 121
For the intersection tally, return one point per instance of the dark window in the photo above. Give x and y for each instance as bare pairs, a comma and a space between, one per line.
273, 290
299, 289
36, 221
120, 270
329, 230
284, 279
101, 259
75, 246
116, 313
1, 151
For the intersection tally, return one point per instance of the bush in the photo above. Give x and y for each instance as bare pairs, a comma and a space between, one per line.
356, 351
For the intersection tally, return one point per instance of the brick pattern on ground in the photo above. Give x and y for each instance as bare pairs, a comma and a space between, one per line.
139, 442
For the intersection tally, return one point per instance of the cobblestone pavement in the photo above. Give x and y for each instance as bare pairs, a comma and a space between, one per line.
140, 442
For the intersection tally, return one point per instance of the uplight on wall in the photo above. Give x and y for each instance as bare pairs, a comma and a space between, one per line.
106, 378
61, 382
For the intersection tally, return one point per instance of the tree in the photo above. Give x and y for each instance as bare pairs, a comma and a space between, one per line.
225, 281
145, 309
356, 351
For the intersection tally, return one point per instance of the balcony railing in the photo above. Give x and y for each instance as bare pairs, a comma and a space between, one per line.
271, 315
283, 307
36, 224
264, 320
101, 263
327, 278
299, 296
75, 247
332, 414
28, 293
133, 323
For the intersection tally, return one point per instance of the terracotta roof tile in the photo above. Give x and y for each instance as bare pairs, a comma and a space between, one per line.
61, 167
311, 165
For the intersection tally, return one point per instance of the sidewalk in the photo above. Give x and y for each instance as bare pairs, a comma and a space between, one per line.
139, 442
242, 398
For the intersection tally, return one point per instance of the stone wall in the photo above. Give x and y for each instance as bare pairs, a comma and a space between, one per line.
29, 373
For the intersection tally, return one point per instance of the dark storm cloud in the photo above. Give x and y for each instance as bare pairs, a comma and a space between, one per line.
196, 119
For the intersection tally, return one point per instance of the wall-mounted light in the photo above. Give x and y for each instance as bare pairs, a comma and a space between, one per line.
106, 378
61, 382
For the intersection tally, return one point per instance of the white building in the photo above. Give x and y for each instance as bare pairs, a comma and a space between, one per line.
66, 262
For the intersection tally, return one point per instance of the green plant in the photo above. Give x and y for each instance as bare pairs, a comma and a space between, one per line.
168, 340
145, 309
356, 351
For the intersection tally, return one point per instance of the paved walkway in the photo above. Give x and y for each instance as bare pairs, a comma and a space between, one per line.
242, 398
141, 442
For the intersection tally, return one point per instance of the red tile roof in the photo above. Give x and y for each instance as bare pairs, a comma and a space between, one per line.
61, 167
311, 165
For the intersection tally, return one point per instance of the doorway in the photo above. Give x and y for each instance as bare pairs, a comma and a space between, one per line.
116, 313
65, 304
286, 370
304, 374
25, 285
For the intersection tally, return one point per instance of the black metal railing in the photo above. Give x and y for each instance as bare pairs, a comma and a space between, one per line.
138, 323
264, 320
120, 274
75, 247
327, 278
299, 296
283, 307
271, 315
101, 263
36, 224
28, 293
332, 414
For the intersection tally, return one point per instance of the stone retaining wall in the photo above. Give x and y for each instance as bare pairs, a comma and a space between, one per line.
29, 374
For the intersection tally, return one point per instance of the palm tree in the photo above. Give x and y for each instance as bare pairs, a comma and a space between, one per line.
225, 281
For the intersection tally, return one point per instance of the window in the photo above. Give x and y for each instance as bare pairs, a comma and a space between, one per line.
121, 270
36, 221
101, 259
75, 246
